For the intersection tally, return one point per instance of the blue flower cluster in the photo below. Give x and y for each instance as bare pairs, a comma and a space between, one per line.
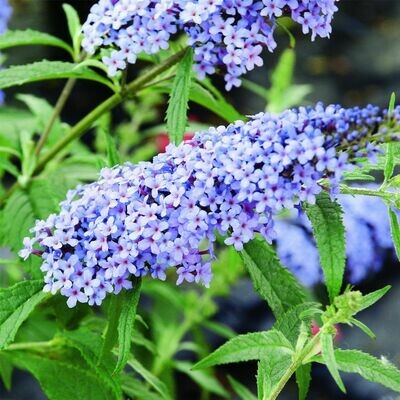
5, 14
368, 241
227, 34
144, 219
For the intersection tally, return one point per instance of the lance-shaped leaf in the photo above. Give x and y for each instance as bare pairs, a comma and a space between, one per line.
126, 323
45, 70
251, 346
271, 279
16, 303
395, 230
371, 368
30, 37
328, 356
178, 102
326, 219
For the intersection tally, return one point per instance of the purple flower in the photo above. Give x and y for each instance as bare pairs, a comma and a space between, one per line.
149, 218
226, 35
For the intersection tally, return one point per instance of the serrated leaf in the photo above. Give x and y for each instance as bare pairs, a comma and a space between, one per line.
179, 97
289, 323
371, 368
21, 211
303, 379
151, 379
62, 380
126, 322
329, 233
45, 70
208, 99
202, 378
395, 230
328, 356
89, 345
272, 369
357, 176
371, 298
251, 346
16, 304
241, 390
30, 37
272, 281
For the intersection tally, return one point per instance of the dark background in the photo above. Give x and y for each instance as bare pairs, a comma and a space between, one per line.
360, 64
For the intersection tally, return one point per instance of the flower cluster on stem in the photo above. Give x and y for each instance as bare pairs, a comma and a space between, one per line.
225, 34
144, 219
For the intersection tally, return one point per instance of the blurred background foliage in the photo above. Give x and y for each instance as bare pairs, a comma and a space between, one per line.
360, 64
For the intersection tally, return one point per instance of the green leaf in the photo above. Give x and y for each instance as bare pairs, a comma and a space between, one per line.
126, 322
371, 298
151, 379
389, 162
363, 327
395, 230
262, 371
6, 372
303, 379
289, 323
370, 368
206, 94
273, 282
179, 97
328, 356
21, 211
89, 345
16, 304
43, 111
251, 346
211, 99
392, 104
202, 378
281, 80
139, 339
329, 232
241, 390
30, 37
134, 388
74, 27
61, 380
220, 329
103, 127
46, 70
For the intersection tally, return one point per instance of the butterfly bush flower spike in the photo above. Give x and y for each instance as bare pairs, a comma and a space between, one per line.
227, 35
152, 217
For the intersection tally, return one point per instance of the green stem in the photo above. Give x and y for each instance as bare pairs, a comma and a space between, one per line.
57, 111
82, 126
309, 350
